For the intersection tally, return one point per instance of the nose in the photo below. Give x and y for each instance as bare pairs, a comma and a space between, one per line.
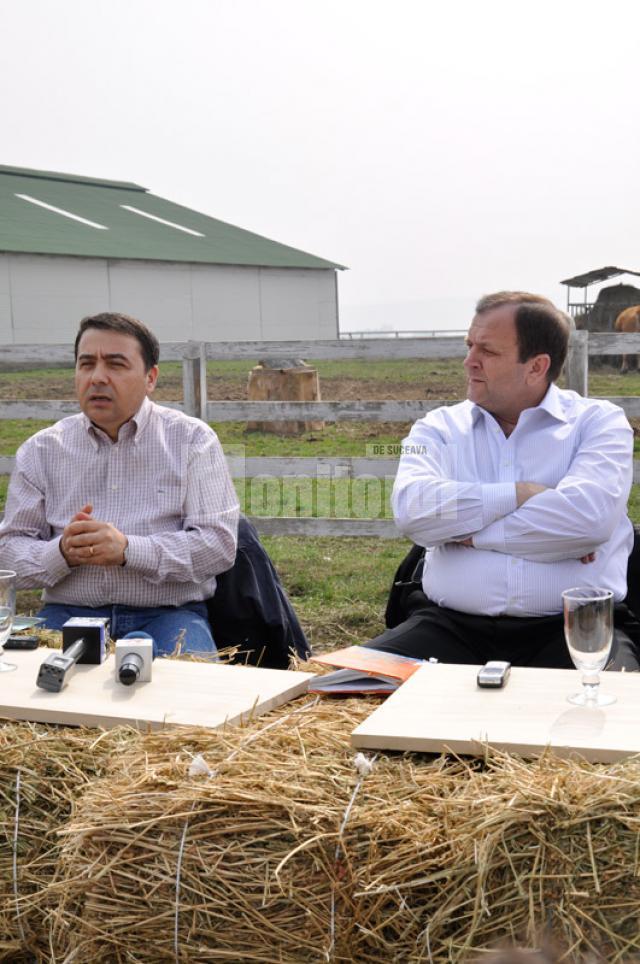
99, 375
471, 359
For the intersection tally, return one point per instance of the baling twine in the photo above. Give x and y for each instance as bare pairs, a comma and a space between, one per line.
199, 766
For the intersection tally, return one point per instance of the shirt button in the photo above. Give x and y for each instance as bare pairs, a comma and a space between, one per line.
114, 487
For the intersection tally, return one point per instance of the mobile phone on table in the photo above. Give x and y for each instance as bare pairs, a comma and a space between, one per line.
494, 674
21, 642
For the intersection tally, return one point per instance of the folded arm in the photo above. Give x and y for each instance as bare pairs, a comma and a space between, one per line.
430, 505
580, 513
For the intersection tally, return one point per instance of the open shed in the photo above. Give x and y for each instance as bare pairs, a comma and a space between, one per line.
599, 314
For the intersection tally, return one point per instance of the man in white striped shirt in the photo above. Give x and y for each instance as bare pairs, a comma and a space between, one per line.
518, 493
125, 510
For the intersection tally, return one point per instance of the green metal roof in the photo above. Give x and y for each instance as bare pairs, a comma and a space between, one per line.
30, 228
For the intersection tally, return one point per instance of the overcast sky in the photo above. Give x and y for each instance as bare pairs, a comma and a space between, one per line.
439, 150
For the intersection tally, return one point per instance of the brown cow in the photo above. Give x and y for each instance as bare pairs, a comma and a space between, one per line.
627, 322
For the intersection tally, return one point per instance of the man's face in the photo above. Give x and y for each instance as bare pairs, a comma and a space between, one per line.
496, 380
111, 378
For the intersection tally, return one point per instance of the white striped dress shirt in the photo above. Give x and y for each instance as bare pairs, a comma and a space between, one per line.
164, 483
457, 478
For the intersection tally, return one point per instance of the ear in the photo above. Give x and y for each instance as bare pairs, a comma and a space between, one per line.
539, 368
152, 378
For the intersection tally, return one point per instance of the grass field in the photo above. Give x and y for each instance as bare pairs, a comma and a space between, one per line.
339, 586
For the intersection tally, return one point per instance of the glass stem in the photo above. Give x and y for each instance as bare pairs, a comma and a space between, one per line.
590, 686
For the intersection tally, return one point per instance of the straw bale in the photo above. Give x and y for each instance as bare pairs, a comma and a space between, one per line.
455, 858
252, 841
42, 771
438, 859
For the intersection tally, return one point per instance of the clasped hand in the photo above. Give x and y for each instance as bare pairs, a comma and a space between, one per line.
86, 541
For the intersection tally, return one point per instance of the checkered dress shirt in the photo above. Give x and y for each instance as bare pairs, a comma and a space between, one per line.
164, 484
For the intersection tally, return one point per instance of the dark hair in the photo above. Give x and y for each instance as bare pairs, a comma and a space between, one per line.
541, 329
125, 325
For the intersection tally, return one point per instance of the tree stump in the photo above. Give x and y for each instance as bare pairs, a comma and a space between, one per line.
282, 380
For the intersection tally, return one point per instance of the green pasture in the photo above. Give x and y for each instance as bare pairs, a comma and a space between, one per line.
337, 438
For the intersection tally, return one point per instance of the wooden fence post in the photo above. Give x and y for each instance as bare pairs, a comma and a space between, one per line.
577, 363
192, 379
203, 381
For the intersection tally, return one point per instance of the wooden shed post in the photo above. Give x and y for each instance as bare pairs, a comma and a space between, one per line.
577, 363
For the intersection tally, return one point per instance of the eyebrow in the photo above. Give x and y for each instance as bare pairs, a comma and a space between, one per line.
112, 356
483, 342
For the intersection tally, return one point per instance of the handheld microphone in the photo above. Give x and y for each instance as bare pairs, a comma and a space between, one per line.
134, 656
56, 669
83, 641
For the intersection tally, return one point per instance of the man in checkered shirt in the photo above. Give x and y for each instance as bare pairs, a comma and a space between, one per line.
127, 509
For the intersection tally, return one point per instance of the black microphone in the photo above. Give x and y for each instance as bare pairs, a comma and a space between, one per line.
56, 669
134, 656
130, 668
83, 641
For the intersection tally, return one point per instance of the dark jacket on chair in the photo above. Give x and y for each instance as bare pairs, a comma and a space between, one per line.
250, 608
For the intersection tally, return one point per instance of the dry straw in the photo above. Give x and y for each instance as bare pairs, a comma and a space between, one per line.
128, 852
43, 771
258, 867
438, 857
451, 857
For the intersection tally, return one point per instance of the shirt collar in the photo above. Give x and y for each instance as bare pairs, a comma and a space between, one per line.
551, 403
132, 428
141, 417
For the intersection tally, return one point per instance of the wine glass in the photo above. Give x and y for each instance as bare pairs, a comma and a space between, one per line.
588, 630
7, 612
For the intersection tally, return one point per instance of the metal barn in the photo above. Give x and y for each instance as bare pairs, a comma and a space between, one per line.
72, 246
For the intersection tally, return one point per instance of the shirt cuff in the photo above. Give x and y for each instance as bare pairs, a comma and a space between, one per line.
498, 500
53, 562
141, 554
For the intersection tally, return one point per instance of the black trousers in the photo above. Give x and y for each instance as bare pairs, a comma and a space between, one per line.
453, 637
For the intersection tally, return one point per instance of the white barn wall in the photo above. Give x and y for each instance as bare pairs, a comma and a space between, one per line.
157, 293
42, 298
226, 303
287, 297
46, 293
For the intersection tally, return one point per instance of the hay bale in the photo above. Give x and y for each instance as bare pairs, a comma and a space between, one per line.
457, 858
43, 769
438, 858
249, 848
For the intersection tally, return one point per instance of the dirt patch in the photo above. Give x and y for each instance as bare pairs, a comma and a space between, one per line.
60, 386
349, 389
47, 387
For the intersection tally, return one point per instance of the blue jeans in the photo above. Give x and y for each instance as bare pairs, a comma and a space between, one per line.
165, 624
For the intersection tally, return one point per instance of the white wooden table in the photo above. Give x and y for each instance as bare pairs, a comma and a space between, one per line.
441, 708
181, 692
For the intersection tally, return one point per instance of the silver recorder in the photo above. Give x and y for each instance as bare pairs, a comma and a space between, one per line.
494, 674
